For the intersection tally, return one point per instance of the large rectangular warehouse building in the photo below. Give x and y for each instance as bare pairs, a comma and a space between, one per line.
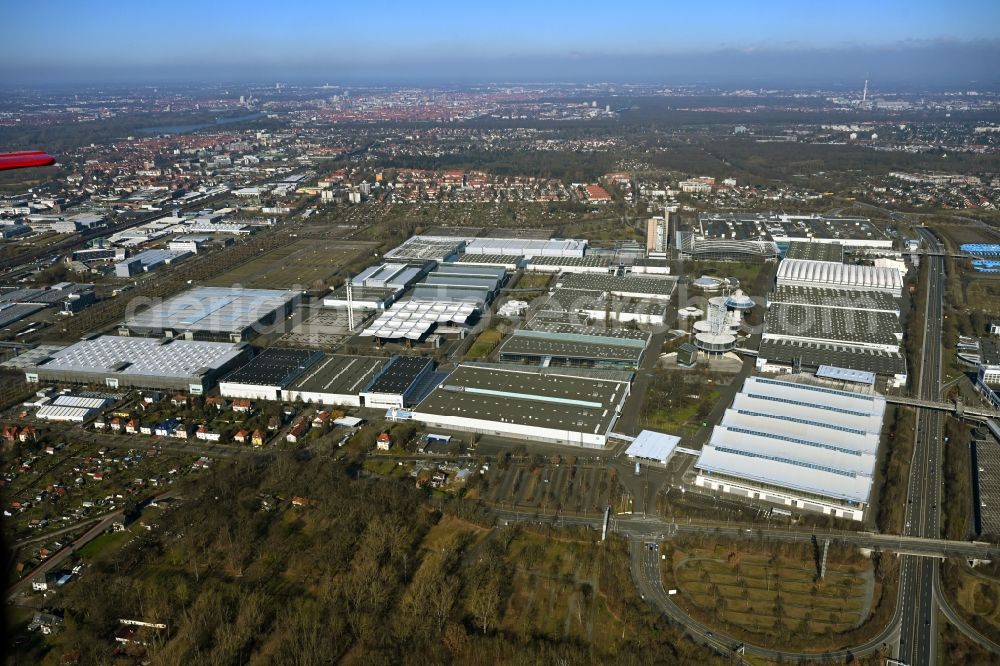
152, 363
560, 406
268, 373
834, 275
797, 444
336, 380
226, 313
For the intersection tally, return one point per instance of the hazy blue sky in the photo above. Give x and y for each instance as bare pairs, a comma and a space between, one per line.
898, 40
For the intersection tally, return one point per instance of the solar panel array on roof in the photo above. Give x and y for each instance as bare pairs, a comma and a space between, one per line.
814, 354
275, 366
659, 288
815, 251
574, 347
339, 374
12, 314
399, 375
862, 327
570, 262
834, 298
142, 356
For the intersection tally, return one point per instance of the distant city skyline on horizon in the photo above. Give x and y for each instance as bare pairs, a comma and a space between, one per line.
780, 43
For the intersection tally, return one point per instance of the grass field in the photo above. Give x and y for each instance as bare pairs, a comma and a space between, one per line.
105, 542
540, 281
683, 419
302, 263
556, 591
975, 594
772, 595
484, 344
983, 294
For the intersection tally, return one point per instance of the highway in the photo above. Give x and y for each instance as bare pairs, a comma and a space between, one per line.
917, 631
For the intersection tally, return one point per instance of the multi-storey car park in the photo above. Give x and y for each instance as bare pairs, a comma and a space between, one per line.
227, 313
796, 444
153, 363
508, 262
815, 251
782, 355
587, 264
856, 328
627, 286
869, 301
563, 405
426, 248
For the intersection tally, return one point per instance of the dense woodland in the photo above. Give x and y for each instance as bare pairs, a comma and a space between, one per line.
362, 570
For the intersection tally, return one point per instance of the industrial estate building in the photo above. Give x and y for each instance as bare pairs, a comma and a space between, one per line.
554, 405
587, 297
796, 444
413, 320
783, 229
851, 277
335, 379
155, 363
988, 371
651, 446
149, 260
692, 246
72, 408
403, 381
824, 313
548, 348
268, 373
456, 283
588, 264
526, 247
426, 248
227, 313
